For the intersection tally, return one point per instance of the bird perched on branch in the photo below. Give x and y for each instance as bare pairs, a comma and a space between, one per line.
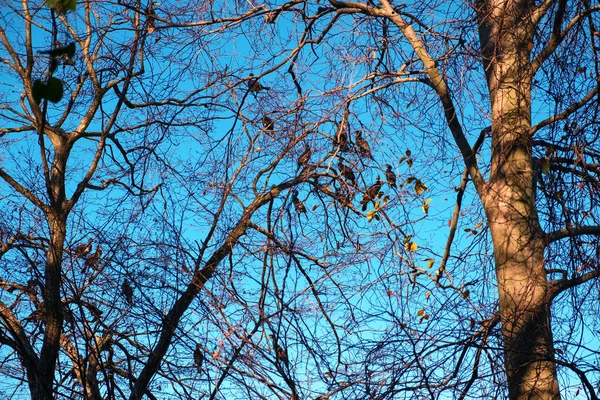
371, 193
341, 139
390, 176
93, 260
83, 249
304, 157
268, 124
198, 357
346, 172
127, 291
298, 204
254, 85
280, 352
364, 150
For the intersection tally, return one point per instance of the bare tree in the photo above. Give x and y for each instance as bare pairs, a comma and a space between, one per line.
299, 200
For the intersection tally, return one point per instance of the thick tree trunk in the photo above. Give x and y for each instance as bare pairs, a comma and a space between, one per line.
510, 207
506, 32
52, 311
524, 303
53, 314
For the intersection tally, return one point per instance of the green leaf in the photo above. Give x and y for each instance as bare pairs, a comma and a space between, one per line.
62, 5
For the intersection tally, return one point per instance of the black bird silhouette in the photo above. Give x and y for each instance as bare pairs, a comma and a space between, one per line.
390, 176
198, 357
254, 85
268, 124
304, 157
127, 291
346, 172
371, 193
298, 204
363, 146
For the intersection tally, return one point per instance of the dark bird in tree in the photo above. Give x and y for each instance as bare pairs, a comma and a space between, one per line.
281, 354
364, 150
93, 260
127, 291
304, 157
341, 139
390, 176
298, 204
346, 172
371, 193
268, 124
83, 249
254, 85
198, 357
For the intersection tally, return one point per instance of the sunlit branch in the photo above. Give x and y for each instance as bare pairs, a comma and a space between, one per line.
555, 236
591, 95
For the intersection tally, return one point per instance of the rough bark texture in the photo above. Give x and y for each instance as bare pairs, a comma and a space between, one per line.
505, 34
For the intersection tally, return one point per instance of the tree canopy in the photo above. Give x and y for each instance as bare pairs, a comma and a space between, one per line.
299, 200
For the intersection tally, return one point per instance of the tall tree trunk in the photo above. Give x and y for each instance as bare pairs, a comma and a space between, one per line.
52, 311
506, 34
53, 314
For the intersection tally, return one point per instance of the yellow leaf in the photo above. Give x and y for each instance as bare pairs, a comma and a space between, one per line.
430, 262
427, 295
411, 246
